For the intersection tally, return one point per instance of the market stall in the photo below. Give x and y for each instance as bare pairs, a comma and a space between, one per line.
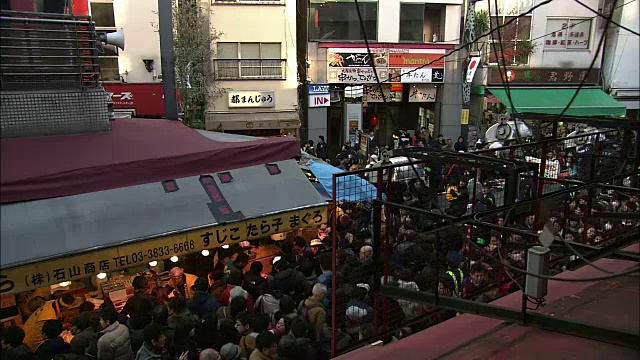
85, 244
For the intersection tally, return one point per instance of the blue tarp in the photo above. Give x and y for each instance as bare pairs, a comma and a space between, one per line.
349, 187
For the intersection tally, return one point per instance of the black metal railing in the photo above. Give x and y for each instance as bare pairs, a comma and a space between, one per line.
271, 69
39, 51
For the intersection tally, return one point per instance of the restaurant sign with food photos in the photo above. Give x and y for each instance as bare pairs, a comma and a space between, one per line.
356, 66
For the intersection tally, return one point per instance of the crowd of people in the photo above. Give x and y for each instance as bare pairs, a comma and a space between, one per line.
229, 315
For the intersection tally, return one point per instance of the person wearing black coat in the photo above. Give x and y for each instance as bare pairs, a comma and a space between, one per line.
202, 304
54, 344
13, 347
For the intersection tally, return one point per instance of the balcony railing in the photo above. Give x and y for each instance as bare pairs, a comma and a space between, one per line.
251, 69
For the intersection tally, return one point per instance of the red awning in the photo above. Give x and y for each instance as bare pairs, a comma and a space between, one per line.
134, 152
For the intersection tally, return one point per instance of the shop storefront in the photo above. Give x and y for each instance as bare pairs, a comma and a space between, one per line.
547, 91
408, 99
254, 113
90, 239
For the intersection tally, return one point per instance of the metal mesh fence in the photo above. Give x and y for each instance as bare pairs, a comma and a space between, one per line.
448, 223
53, 113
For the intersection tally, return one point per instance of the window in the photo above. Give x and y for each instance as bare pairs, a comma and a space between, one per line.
109, 70
567, 33
420, 22
102, 15
339, 21
516, 41
236, 61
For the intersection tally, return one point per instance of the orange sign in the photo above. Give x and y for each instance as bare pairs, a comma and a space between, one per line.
415, 60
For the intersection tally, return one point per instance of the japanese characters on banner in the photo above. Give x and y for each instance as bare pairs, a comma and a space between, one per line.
372, 94
565, 33
22, 278
252, 99
355, 66
422, 93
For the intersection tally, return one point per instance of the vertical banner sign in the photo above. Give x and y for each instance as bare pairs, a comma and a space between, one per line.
471, 69
464, 118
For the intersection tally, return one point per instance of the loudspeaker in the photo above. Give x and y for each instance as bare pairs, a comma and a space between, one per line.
115, 38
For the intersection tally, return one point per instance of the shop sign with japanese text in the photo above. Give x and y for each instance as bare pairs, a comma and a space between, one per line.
372, 94
74, 267
422, 93
543, 76
355, 66
252, 99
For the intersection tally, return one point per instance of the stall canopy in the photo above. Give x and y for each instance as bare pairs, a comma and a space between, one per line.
589, 102
52, 240
134, 152
349, 187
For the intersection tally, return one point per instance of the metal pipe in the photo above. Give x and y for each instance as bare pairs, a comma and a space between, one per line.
165, 17
334, 251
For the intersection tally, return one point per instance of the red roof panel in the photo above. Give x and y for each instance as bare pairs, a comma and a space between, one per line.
134, 152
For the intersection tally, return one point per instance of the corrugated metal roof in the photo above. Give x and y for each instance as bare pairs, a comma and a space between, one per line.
53, 227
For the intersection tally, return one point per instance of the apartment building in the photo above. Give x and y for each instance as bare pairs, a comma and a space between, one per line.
255, 61
342, 93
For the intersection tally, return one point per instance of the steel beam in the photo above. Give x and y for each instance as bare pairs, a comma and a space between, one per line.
569, 327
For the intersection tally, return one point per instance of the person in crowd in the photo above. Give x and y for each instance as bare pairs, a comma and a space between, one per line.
142, 291
202, 304
230, 351
266, 347
460, 145
216, 283
237, 305
139, 321
179, 314
247, 336
312, 309
322, 150
288, 280
254, 283
84, 334
180, 283
441, 141
269, 301
160, 316
114, 342
235, 279
237, 265
13, 347
308, 148
48, 310
153, 347
295, 344
449, 146
53, 344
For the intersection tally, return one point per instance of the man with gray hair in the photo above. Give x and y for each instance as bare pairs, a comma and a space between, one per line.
312, 310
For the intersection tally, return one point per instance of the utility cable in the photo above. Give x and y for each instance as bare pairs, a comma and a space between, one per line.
599, 14
446, 217
465, 45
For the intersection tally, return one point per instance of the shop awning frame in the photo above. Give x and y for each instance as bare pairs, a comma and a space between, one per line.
124, 227
590, 102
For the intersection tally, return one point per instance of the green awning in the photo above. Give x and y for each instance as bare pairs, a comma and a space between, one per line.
589, 102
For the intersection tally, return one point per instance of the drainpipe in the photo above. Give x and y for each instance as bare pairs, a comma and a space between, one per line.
165, 17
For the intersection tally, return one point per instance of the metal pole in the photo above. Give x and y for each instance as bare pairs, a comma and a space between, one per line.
165, 17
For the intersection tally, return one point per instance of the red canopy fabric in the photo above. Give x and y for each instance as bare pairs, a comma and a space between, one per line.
134, 152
